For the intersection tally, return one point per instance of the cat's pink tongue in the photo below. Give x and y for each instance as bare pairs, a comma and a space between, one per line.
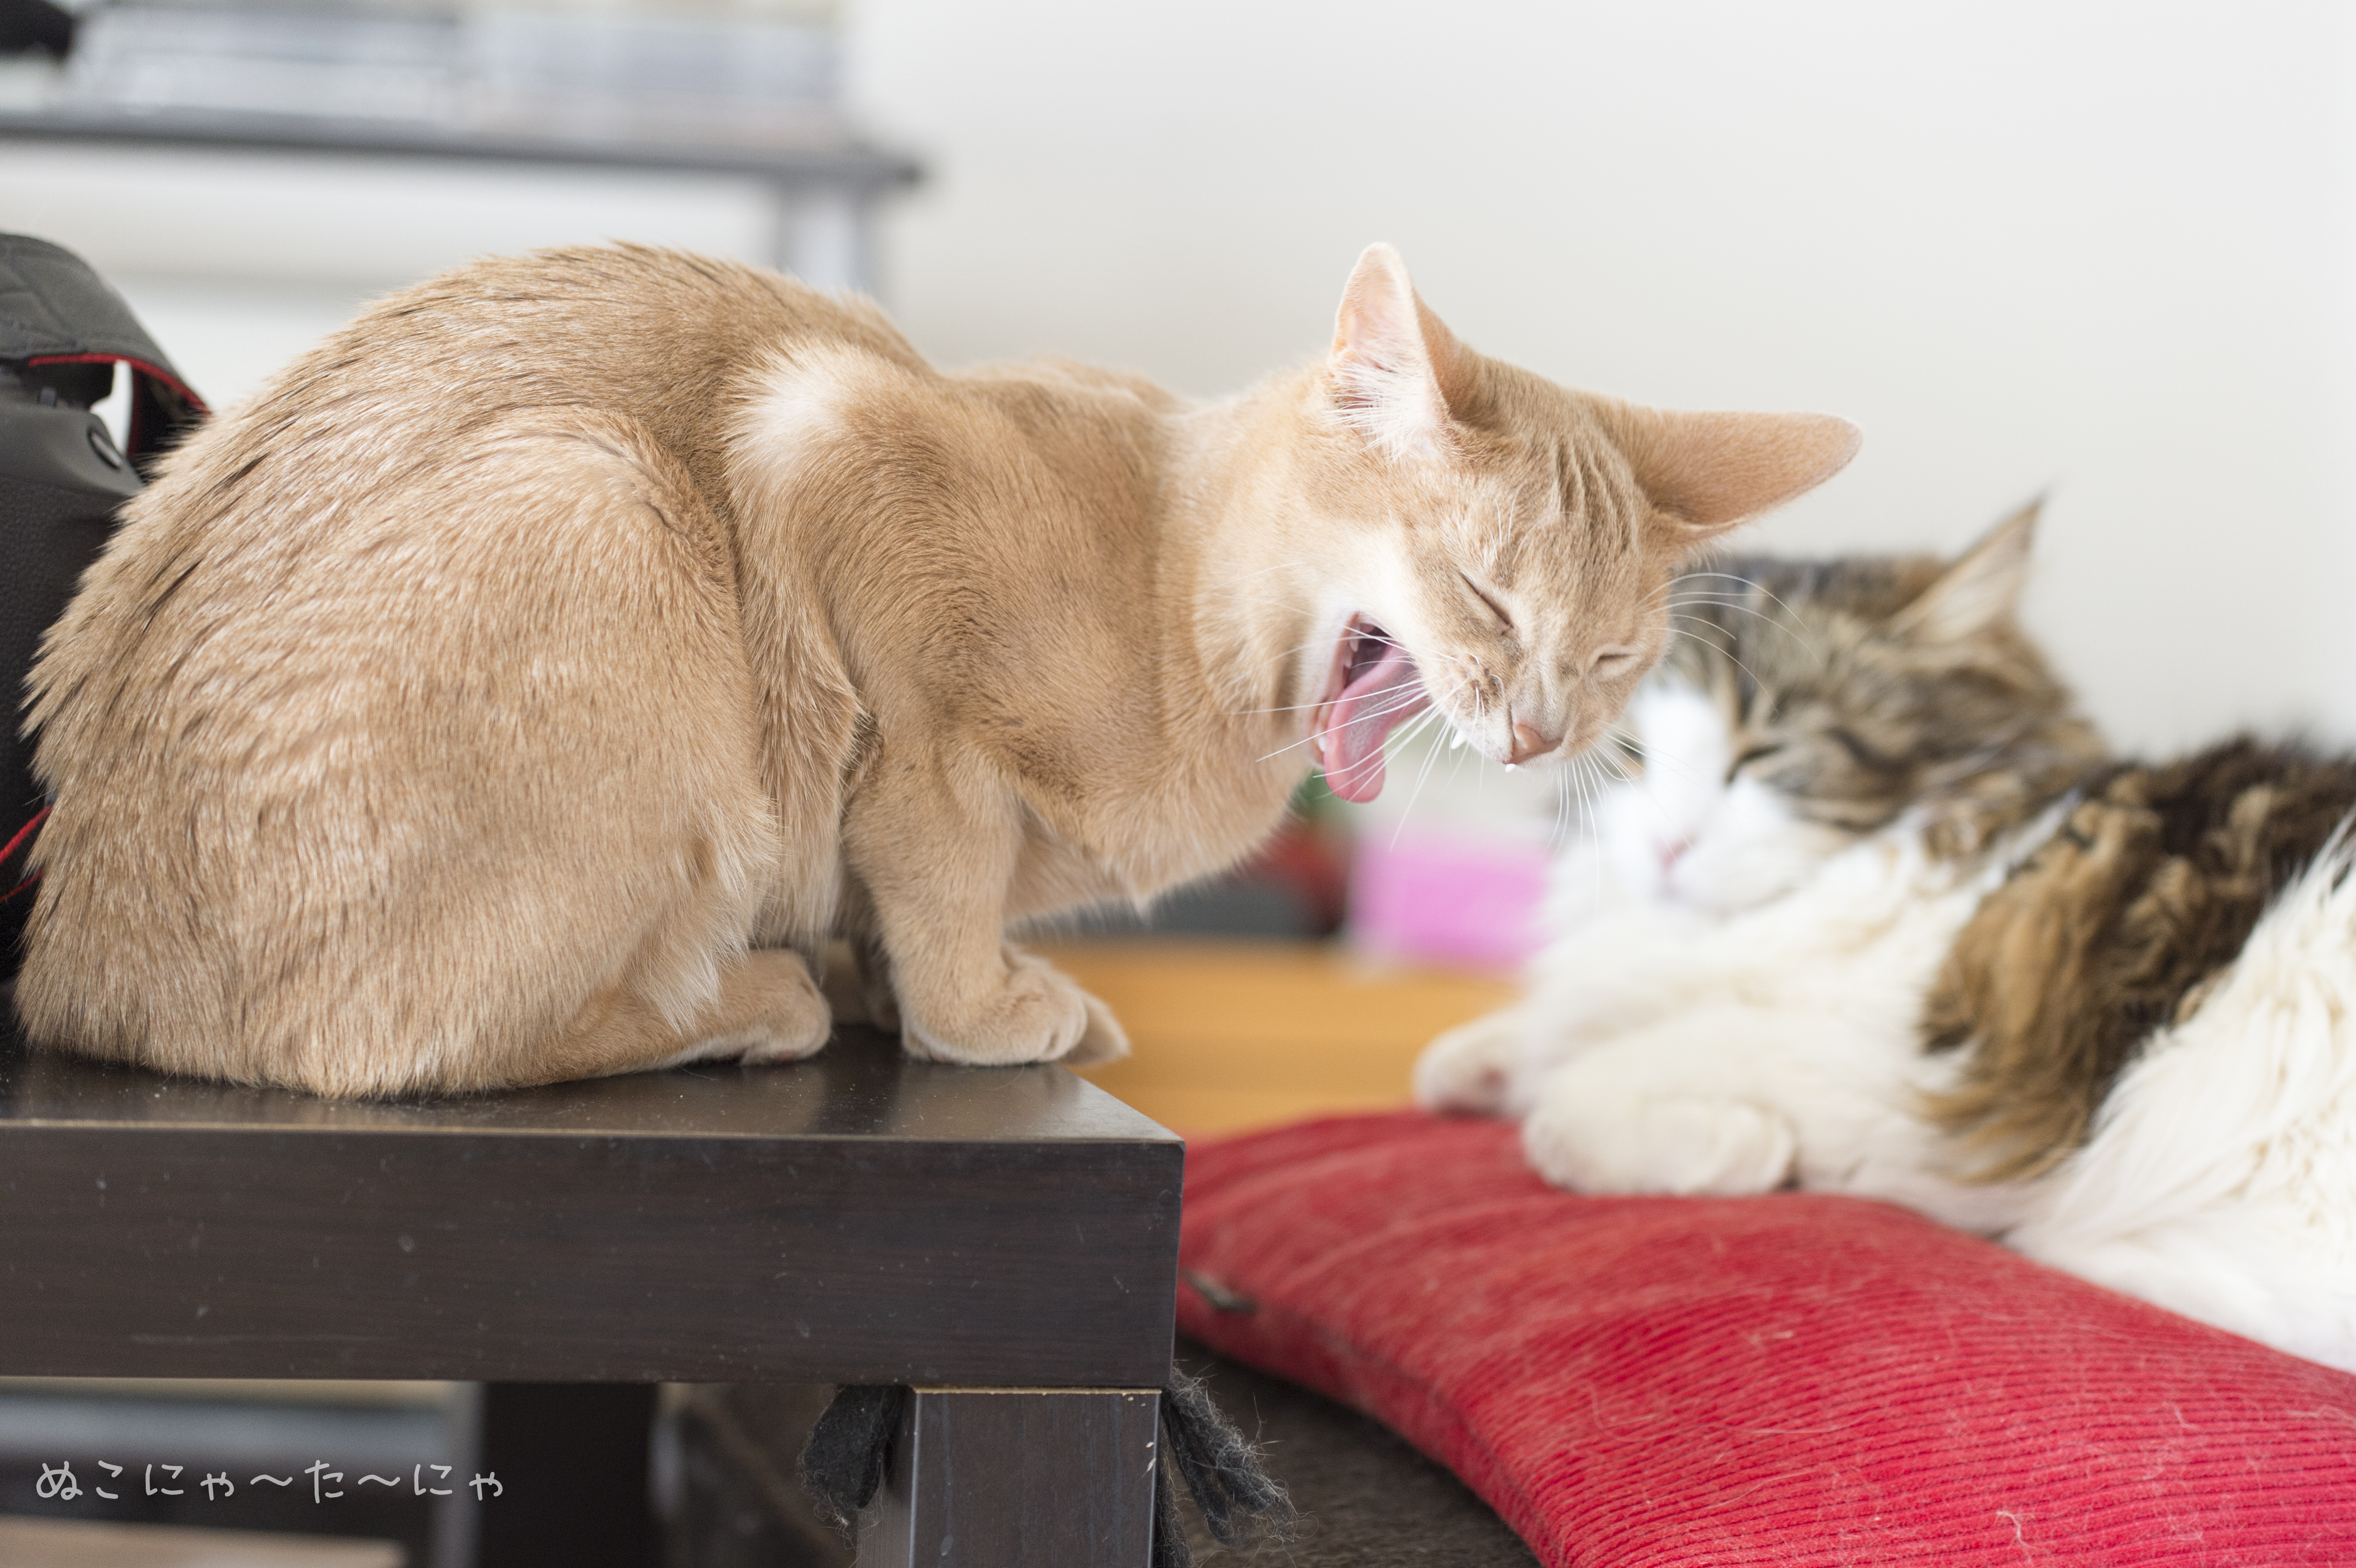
1362, 719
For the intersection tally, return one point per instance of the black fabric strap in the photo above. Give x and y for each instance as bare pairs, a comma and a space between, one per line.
842, 1466
54, 309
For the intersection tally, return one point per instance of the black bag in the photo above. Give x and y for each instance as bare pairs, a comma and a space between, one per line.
62, 333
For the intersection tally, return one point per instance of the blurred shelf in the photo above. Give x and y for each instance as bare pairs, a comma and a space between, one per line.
825, 186
830, 160
1229, 1035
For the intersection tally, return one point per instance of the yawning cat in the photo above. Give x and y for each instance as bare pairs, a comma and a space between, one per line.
522, 683
1877, 915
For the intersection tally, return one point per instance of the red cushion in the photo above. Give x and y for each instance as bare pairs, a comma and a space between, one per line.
1790, 1379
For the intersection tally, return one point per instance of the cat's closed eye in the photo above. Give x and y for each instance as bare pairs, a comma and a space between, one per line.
1862, 755
1488, 599
1608, 661
1759, 753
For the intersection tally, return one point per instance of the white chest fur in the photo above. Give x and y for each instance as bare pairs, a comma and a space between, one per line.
1732, 1004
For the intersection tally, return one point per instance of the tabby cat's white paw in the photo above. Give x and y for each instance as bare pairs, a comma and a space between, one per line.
1470, 1069
1678, 1145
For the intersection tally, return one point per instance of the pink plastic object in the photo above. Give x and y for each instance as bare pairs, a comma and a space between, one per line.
1445, 898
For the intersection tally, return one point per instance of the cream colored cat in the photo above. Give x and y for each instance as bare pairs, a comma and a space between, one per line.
524, 683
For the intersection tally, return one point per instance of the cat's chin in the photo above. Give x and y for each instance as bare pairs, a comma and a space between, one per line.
1372, 687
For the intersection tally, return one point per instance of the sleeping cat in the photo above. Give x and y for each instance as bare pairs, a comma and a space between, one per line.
1876, 915
528, 681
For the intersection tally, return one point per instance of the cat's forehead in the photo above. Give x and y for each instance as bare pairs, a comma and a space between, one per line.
1543, 503
1864, 589
1799, 629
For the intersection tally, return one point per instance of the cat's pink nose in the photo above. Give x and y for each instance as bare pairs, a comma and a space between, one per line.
1528, 743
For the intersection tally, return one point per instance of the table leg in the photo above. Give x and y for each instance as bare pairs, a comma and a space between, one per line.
1001, 1478
825, 237
570, 1460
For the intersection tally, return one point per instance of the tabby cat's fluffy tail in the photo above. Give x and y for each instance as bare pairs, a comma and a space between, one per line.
2219, 1177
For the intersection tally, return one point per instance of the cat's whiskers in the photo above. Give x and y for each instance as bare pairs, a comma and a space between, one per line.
1302, 649
1610, 760
1676, 620
1379, 757
1789, 628
1752, 584
1602, 782
1579, 809
1652, 758
1588, 829
1786, 621
1652, 601
1431, 755
1589, 826
1407, 698
1726, 653
1287, 708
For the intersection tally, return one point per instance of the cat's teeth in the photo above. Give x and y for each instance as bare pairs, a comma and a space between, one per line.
1509, 767
1456, 739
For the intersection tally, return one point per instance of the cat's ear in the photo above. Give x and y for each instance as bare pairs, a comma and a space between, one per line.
1393, 363
1981, 590
1712, 471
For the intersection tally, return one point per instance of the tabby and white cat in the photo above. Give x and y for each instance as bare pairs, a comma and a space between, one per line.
527, 681
1876, 915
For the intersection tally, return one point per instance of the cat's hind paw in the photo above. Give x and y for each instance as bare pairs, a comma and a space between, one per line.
772, 1012
1470, 1070
1680, 1146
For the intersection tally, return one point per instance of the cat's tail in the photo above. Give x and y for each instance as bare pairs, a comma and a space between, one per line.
2220, 1178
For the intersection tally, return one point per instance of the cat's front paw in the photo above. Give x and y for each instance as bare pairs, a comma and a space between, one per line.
1470, 1070
1034, 1015
1682, 1145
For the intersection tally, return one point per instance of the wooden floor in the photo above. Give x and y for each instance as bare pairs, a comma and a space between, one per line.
1242, 1034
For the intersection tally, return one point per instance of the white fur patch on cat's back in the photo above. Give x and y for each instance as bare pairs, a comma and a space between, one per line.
798, 412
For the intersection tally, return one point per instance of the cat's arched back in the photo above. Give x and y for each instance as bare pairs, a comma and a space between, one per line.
528, 679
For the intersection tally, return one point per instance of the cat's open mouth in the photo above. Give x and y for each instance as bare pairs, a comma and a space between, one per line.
1371, 688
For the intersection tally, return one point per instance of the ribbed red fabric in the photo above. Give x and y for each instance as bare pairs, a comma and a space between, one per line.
1791, 1380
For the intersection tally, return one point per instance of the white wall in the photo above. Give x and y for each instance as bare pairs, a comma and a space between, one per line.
237, 261
2099, 247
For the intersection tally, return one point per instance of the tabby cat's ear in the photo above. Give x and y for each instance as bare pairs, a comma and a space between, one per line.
1712, 471
1393, 362
1980, 591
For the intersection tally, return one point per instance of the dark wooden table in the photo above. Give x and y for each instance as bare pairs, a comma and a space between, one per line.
1002, 1240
